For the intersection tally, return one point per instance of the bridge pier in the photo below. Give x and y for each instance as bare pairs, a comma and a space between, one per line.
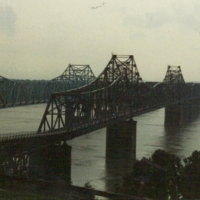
179, 114
194, 108
121, 141
174, 114
120, 151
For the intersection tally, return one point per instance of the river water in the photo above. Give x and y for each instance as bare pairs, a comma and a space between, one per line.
88, 151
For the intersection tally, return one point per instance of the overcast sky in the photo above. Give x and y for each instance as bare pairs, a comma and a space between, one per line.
38, 39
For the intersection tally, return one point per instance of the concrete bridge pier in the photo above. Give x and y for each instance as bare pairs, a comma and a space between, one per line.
194, 108
120, 152
179, 114
174, 115
121, 143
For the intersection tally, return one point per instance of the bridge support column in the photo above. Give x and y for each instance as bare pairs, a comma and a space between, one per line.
121, 141
179, 114
194, 108
174, 115
120, 152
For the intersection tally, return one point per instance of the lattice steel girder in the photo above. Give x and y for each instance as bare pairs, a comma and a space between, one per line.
5, 88
72, 110
117, 66
23, 92
174, 75
117, 92
77, 73
174, 78
111, 94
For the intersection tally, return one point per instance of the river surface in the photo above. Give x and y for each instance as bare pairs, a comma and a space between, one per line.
88, 151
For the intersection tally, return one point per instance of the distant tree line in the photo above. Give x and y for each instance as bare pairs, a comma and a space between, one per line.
164, 176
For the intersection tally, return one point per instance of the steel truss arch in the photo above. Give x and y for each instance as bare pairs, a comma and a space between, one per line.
108, 96
25, 92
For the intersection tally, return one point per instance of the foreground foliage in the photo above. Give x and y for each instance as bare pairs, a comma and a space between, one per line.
165, 176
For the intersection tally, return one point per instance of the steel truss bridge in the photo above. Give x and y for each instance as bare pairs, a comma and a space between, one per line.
24, 92
117, 94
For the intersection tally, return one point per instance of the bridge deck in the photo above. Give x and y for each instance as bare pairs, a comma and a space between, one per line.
81, 128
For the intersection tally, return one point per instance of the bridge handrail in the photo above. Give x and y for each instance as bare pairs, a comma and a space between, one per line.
6, 135
28, 134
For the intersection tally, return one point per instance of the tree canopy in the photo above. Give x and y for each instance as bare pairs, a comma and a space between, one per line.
165, 176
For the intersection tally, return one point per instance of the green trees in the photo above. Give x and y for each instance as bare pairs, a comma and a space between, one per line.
190, 176
164, 176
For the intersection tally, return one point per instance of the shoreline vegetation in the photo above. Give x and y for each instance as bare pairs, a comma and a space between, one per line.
164, 176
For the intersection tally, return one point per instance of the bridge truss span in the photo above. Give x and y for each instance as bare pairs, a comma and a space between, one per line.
25, 92
107, 97
176, 83
174, 75
117, 94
